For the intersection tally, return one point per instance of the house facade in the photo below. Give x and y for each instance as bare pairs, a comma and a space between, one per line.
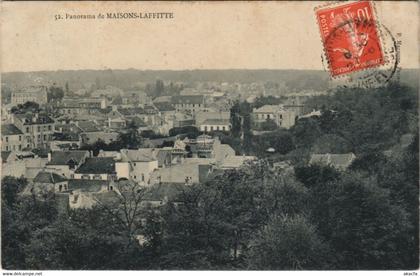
12, 138
37, 128
136, 165
277, 113
37, 94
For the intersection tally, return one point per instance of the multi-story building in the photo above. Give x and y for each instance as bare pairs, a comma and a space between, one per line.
82, 106
277, 113
12, 138
189, 103
37, 94
38, 129
210, 125
136, 165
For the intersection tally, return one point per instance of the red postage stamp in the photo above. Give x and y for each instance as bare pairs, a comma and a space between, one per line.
350, 37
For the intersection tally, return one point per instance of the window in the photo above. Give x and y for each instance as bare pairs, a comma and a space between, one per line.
7, 139
223, 128
20, 147
20, 138
72, 176
135, 177
134, 164
45, 137
205, 128
142, 177
7, 148
211, 128
217, 128
281, 116
97, 177
27, 129
85, 176
39, 129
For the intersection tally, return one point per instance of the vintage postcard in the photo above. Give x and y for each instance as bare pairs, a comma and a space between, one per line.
156, 136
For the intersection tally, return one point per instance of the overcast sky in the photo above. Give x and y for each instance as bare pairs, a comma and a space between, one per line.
273, 35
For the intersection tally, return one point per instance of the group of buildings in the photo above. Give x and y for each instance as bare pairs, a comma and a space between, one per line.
44, 145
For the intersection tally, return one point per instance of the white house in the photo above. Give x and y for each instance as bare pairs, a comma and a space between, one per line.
215, 125
137, 165
277, 113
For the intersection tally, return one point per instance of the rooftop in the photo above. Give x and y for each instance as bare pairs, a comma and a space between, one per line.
140, 155
188, 99
87, 185
98, 165
10, 129
64, 157
34, 119
216, 122
48, 177
268, 109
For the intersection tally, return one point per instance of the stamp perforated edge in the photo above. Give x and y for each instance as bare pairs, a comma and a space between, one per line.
332, 4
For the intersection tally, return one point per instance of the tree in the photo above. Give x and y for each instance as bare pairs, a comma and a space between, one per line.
367, 230
268, 125
191, 131
126, 208
55, 93
306, 131
130, 139
331, 143
287, 243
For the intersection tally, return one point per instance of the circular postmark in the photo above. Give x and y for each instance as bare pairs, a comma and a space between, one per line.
367, 57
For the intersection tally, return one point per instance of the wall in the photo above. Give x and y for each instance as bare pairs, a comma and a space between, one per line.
14, 142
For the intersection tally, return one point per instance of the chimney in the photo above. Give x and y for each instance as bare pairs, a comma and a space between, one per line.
49, 156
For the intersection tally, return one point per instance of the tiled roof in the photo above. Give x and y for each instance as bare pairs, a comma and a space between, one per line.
87, 185
5, 155
164, 106
73, 128
88, 126
188, 99
216, 122
48, 177
268, 109
63, 157
131, 111
10, 129
98, 165
34, 119
140, 155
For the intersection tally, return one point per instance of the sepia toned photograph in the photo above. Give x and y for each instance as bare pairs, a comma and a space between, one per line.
203, 136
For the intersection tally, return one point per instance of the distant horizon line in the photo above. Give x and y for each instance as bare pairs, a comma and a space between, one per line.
180, 70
